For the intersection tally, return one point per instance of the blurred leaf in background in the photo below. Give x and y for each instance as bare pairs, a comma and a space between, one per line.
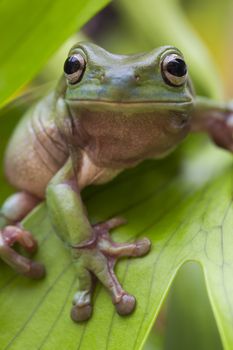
186, 320
155, 23
31, 31
190, 321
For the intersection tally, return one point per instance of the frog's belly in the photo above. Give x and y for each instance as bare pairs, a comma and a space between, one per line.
35, 153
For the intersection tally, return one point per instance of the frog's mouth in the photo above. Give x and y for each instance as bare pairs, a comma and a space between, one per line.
139, 106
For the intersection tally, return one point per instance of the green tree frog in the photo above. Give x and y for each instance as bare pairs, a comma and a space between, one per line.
108, 113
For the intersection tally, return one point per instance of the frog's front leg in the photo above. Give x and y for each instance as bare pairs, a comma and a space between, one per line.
93, 251
216, 119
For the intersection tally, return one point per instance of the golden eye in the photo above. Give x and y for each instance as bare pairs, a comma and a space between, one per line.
74, 67
174, 70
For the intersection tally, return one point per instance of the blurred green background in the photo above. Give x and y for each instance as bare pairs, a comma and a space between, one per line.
203, 30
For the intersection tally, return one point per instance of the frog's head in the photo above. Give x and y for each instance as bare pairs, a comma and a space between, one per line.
94, 74
125, 91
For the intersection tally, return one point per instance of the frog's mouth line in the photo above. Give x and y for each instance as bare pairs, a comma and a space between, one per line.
130, 104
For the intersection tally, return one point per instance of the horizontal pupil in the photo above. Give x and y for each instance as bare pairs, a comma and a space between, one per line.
177, 67
72, 65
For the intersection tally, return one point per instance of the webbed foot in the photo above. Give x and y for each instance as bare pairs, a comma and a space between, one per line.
97, 257
15, 234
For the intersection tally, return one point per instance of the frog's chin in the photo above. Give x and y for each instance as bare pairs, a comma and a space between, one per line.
139, 106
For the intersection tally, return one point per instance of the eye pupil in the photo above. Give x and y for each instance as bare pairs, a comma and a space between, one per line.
74, 68
72, 65
174, 70
177, 67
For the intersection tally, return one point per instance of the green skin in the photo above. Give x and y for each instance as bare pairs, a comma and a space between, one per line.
122, 110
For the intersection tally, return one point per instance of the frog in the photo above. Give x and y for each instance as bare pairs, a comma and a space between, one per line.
108, 113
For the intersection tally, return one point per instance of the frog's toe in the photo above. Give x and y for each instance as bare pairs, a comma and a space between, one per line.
126, 305
14, 234
81, 313
82, 309
142, 247
35, 271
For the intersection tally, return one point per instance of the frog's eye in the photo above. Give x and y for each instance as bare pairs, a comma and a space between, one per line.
74, 67
174, 70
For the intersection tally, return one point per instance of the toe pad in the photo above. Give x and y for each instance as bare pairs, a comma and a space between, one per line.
81, 313
126, 305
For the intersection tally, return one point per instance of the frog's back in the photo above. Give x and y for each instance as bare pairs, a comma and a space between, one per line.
36, 150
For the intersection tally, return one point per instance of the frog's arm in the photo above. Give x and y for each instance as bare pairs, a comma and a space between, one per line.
92, 249
65, 207
215, 118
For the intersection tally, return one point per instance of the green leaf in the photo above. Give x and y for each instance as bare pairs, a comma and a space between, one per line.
40, 27
183, 204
